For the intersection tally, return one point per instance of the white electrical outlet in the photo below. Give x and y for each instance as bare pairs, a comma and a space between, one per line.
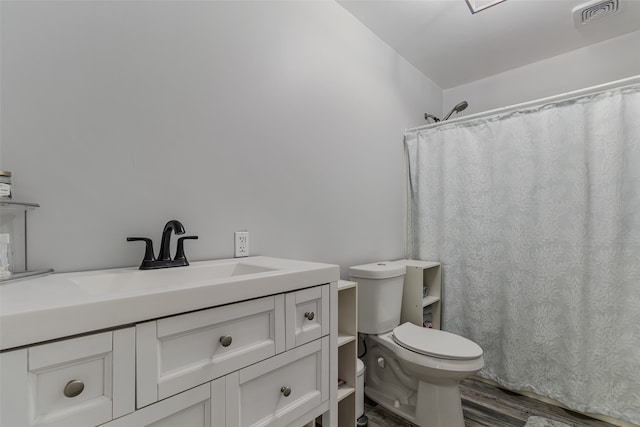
241, 244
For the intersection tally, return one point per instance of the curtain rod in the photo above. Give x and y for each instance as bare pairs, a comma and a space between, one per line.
580, 92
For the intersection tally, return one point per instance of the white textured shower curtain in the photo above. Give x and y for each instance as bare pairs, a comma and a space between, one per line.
535, 216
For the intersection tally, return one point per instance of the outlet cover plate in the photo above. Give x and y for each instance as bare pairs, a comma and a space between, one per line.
241, 244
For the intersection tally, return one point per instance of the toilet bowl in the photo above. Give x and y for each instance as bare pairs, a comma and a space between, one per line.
411, 371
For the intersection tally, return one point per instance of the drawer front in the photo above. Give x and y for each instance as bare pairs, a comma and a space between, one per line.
83, 381
202, 406
307, 315
181, 352
279, 390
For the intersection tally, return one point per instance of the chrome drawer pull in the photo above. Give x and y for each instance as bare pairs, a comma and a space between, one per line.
225, 340
309, 315
73, 388
286, 391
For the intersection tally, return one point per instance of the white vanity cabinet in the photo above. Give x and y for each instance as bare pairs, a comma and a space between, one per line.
83, 381
279, 390
202, 406
262, 352
179, 352
307, 315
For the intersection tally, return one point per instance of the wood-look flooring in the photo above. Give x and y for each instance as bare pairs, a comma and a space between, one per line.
487, 406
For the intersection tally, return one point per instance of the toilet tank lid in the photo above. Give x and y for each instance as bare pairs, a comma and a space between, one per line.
378, 270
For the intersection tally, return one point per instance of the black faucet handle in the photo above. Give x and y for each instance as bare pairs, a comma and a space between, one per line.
148, 253
180, 248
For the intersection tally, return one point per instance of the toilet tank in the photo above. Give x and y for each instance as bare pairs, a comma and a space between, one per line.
379, 295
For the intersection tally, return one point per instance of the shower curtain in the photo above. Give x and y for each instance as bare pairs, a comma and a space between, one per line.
535, 217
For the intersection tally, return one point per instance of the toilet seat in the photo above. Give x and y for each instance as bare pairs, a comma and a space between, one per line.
435, 343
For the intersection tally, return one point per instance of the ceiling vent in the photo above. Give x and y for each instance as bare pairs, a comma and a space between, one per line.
591, 11
478, 5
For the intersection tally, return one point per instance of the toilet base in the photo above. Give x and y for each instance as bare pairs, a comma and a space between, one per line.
400, 387
439, 405
405, 411
436, 406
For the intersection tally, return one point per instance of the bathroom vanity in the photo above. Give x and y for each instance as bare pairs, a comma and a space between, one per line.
242, 342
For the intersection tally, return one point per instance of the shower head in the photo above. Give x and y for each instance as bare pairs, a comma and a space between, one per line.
461, 106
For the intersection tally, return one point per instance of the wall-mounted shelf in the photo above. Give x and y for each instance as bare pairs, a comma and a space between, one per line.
421, 276
18, 205
13, 220
27, 275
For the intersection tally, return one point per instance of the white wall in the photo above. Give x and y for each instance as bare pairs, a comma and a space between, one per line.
285, 118
603, 62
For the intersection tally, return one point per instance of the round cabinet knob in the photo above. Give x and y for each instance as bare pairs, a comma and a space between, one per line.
309, 315
73, 388
286, 391
225, 340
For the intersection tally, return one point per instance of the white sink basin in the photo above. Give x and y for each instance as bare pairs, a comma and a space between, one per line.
60, 305
161, 278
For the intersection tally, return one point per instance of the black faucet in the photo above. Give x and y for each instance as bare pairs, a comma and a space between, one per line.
164, 256
174, 226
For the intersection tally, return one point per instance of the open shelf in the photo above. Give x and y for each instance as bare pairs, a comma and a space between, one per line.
429, 300
18, 205
345, 284
344, 339
345, 390
26, 275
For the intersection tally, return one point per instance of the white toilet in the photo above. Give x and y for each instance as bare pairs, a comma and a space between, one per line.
411, 370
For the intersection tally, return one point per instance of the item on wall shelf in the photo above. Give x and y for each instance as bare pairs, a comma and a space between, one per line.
427, 317
5, 255
5, 185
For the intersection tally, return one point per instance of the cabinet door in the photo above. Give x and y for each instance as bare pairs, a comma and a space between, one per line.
81, 382
279, 390
181, 352
202, 406
307, 315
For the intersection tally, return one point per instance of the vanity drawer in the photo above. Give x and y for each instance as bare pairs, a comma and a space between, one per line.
201, 406
307, 315
279, 390
83, 381
181, 352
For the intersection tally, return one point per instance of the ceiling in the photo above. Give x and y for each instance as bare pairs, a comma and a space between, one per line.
451, 46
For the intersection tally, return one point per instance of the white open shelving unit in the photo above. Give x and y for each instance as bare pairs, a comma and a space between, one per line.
420, 275
347, 351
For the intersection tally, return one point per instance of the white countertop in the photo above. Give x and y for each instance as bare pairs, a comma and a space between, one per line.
60, 305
